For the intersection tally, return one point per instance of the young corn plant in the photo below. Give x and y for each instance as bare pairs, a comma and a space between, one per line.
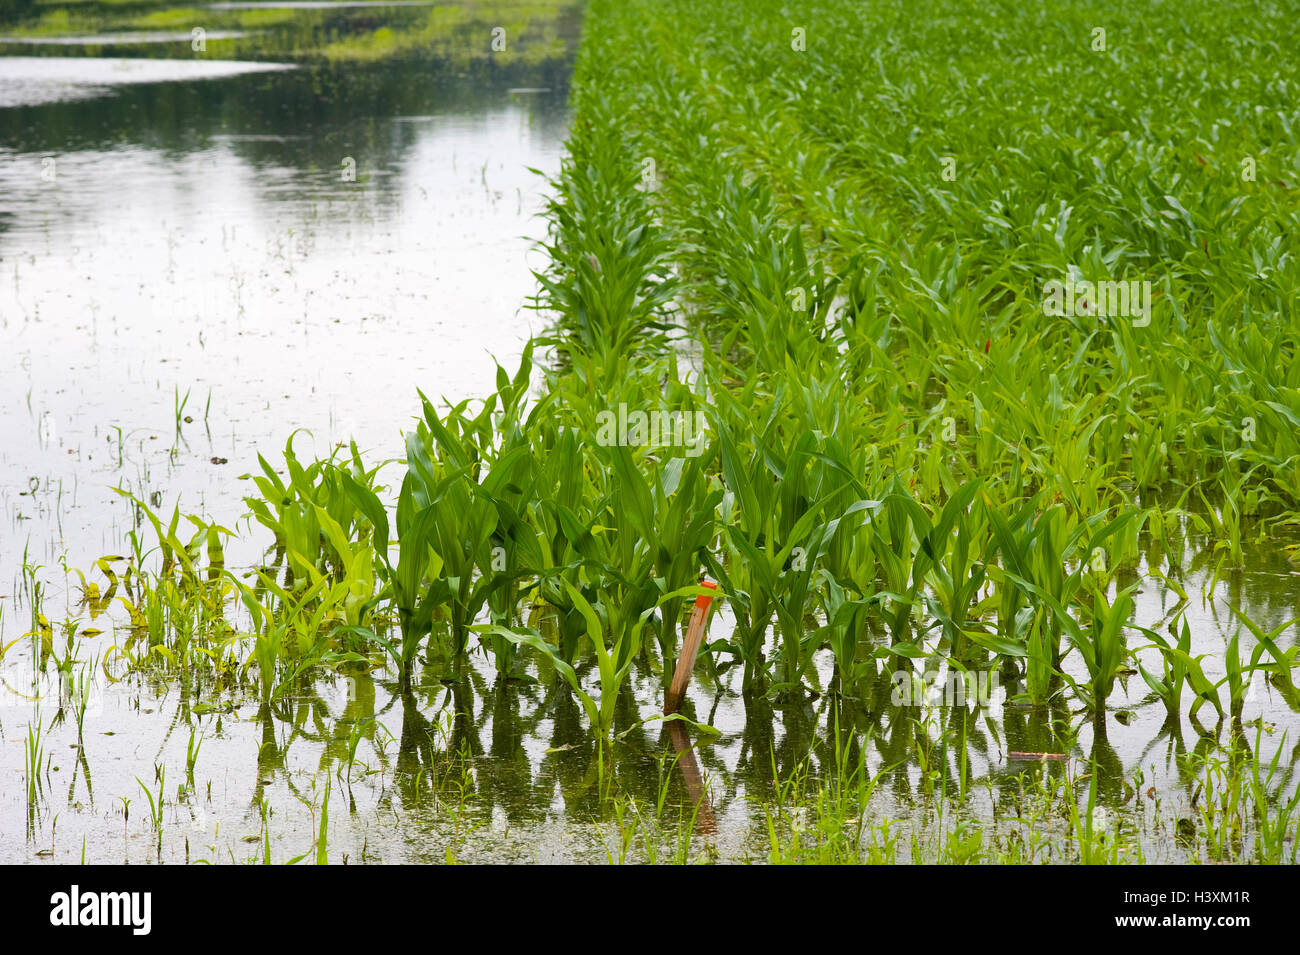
156, 803
615, 640
562, 517
34, 754
444, 523
403, 581
1168, 685
895, 543
1102, 645
665, 523
946, 558
1276, 815
293, 631
1282, 663
1035, 562
443, 480
777, 517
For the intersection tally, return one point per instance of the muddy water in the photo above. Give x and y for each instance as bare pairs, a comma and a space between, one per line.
195, 265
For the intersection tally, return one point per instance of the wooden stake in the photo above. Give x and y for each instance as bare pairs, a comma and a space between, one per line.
690, 649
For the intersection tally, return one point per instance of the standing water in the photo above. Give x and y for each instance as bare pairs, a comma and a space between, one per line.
197, 262
198, 259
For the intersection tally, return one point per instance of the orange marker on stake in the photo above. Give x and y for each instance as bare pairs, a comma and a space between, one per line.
690, 649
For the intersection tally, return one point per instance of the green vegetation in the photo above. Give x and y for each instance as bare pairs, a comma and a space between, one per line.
503, 32
16, 10
829, 234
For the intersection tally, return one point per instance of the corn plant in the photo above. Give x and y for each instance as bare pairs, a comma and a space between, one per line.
777, 515
1175, 660
1274, 827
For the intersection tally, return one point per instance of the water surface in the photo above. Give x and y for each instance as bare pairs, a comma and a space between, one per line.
264, 249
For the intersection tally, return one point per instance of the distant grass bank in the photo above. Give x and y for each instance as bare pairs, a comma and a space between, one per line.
507, 32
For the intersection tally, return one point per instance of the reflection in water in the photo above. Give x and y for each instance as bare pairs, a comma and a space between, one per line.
119, 39
689, 767
48, 80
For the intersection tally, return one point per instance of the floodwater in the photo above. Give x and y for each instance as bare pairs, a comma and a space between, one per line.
271, 250
198, 259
